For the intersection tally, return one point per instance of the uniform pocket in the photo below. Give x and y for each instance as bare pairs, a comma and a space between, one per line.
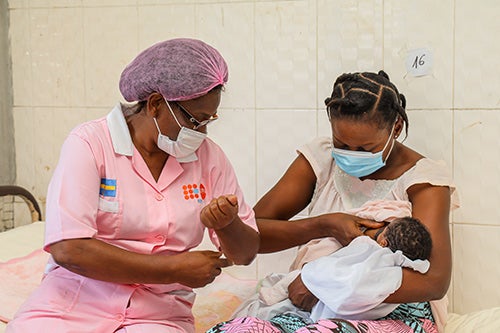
59, 291
108, 206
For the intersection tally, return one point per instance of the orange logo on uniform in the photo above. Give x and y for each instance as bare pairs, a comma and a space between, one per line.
194, 192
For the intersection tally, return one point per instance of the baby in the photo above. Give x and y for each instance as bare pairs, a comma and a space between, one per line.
353, 281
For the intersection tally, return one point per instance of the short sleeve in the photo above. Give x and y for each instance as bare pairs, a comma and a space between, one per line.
318, 154
432, 172
73, 193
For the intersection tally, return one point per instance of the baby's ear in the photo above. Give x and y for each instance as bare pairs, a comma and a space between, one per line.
382, 241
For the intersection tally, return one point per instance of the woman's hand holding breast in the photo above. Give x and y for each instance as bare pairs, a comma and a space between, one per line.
220, 212
346, 227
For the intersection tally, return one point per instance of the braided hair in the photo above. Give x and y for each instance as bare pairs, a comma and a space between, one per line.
410, 236
367, 97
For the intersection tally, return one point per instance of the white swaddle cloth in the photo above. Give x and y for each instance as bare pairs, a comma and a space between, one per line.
378, 210
353, 282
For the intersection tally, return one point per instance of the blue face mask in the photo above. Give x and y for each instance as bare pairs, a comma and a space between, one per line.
361, 163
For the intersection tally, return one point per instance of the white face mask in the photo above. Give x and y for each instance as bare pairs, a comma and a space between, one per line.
188, 141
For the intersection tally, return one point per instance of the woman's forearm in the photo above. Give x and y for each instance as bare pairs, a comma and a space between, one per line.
239, 242
277, 235
98, 260
101, 261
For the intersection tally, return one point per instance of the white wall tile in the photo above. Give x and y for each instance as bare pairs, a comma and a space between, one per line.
53, 3
476, 272
95, 113
24, 124
158, 23
19, 34
214, 1
16, 4
410, 25
285, 54
324, 125
229, 27
477, 165
476, 54
142, 3
350, 39
279, 134
49, 139
235, 133
108, 3
431, 134
57, 56
109, 47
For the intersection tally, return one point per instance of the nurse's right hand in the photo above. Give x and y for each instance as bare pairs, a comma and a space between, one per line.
198, 268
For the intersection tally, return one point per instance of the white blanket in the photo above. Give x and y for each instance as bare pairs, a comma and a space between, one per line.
353, 282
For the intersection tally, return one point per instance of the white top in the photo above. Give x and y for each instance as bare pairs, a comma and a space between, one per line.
336, 191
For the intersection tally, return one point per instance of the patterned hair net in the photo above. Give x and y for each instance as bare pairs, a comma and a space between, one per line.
180, 69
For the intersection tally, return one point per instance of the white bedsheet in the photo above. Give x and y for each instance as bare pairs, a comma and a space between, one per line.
21, 241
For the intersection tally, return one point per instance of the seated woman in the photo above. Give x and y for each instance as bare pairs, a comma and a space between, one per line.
363, 161
132, 195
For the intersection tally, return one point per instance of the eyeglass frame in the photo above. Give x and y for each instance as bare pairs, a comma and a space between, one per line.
197, 124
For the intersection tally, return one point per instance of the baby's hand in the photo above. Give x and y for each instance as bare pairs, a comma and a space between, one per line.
220, 212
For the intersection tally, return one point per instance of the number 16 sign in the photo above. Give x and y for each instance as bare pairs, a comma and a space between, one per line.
419, 62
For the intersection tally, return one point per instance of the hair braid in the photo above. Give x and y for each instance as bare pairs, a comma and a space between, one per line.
367, 96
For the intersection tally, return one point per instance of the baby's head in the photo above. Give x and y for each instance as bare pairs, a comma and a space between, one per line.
409, 236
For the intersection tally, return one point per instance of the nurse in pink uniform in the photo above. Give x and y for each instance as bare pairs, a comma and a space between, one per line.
132, 194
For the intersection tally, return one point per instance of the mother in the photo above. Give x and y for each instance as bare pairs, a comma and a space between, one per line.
367, 115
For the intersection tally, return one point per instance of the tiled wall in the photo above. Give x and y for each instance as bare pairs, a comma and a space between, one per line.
283, 57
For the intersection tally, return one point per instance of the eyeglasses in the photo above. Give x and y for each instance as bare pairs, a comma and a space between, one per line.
197, 124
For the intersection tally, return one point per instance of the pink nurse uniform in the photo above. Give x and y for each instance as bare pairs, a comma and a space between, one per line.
103, 189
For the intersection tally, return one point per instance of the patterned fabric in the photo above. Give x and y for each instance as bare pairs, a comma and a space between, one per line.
245, 325
414, 315
406, 318
288, 323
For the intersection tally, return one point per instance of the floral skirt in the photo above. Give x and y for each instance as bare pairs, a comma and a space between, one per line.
406, 318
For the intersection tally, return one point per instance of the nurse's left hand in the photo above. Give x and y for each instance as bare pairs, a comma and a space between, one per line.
220, 212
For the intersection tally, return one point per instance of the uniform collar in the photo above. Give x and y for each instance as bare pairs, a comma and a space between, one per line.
120, 134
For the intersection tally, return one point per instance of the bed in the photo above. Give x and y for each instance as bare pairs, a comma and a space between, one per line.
22, 261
